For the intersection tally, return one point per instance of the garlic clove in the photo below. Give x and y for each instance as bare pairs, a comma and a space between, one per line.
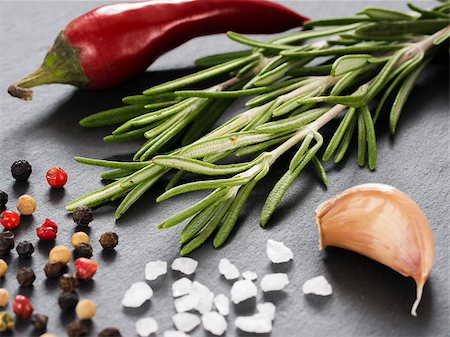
384, 224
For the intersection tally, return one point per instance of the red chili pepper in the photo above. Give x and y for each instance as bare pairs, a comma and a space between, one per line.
56, 177
10, 219
22, 306
112, 43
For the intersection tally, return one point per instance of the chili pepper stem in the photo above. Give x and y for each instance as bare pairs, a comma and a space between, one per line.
61, 65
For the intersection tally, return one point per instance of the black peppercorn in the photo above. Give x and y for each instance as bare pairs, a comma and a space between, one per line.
68, 300
109, 332
77, 329
21, 170
82, 215
25, 249
3, 199
39, 321
53, 269
25, 276
109, 240
6, 242
68, 282
83, 250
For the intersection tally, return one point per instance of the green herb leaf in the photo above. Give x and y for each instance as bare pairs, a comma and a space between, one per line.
402, 96
382, 14
233, 213
362, 145
428, 26
218, 194
202, 75
207, 231
214, 60
255, 43
320, 170
339, 134
335, 21
370, 136
348, 63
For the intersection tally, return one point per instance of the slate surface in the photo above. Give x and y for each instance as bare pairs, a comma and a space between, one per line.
368, 300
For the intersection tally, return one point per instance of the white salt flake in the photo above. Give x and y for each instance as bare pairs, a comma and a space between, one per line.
185, 265
249, 275
146, 326
227, 269
154, 269
204, 295
186, 303
266, 309
242, 290
137, 294
175, 333
274, 282
278, 252
181, 287
256, 324
317, 286
214, 323
222, 304
185, 321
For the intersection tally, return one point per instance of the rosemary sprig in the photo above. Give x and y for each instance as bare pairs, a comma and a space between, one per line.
373, 56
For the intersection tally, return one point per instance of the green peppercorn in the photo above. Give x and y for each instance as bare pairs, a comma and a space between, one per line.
68, 282
21, 170
25, 249
77, 329
54, 269
3, 199
109, 240
25, 276
110, 332
68, 300
6, 321
39, 321
82, 215
6, 242
83, 250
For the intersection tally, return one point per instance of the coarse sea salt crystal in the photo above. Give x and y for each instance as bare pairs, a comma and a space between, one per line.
186, 303
222, 304
204, 295
175, 333
146, 326
266, 309
242, 290
278, 252
154, 269
249, 275
254, 324
137, 294
214, 322
185, 321
274, 282
185, 265
227, 269
317, 286
181, 287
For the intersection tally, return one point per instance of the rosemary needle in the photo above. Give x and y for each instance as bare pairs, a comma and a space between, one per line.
374, 55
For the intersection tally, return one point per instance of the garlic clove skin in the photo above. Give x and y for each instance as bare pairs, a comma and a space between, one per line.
384, 224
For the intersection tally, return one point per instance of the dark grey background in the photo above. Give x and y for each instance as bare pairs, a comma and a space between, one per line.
368, 300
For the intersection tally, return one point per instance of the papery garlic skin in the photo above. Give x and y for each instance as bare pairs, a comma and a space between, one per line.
382, 223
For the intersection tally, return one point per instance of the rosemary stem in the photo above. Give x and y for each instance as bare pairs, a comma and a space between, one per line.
423, 46
305, 130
